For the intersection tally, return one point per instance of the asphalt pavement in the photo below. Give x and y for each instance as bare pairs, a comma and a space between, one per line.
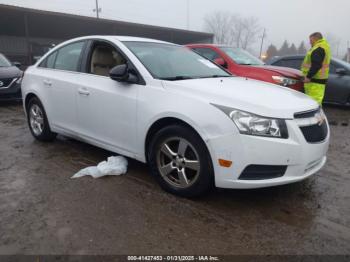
43, 211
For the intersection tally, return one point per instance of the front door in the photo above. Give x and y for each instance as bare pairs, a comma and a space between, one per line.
107, 108
337, 89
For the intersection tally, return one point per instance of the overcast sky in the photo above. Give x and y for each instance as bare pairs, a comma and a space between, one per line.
292, 20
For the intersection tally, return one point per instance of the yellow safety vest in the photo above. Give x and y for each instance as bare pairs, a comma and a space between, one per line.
324, 71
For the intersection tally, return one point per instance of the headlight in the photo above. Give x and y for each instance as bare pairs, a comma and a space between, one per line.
251, 124
284, 81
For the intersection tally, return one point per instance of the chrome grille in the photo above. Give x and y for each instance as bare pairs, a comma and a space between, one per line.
6, 82
313, 125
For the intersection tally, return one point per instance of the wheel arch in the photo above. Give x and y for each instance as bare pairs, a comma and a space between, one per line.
27, 98
164, 122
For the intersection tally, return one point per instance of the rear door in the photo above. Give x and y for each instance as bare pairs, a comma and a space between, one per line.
61, 79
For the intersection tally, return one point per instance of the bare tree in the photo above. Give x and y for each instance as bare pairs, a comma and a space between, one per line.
238, 31
251, 29
220, 24
231, 29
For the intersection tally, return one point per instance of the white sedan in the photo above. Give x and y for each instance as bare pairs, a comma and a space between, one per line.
195, 124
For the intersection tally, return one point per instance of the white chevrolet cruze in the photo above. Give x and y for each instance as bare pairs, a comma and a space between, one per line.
196, 125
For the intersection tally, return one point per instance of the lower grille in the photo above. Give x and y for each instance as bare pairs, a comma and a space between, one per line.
315, 133
260, 172
5, 82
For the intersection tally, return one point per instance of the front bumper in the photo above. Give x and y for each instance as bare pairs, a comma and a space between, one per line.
302, 159
11, 92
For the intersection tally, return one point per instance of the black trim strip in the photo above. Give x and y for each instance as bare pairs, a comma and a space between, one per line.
306, 114
319, 81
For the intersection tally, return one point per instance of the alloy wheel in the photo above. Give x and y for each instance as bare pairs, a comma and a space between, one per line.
178, 162
36, 119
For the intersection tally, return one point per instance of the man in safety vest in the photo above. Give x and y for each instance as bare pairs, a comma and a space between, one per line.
315, 67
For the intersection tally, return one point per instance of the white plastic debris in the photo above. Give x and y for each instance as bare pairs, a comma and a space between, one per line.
114, 166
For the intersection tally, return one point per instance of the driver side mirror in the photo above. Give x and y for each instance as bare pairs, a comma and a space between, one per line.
221, 62
121, 73
340, 71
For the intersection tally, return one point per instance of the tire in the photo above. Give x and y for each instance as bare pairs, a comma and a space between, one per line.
37, 121
180, 162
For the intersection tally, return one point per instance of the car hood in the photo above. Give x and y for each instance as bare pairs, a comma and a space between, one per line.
249, 95
285, 71
10, 72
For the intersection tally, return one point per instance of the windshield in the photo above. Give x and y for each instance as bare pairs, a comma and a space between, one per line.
4, 62
241, 56
342, 63
172, 62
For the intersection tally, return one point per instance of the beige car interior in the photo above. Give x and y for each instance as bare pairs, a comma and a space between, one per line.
103, 59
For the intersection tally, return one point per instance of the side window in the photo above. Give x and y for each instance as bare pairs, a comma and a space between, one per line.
68, 57
294, 63
49, 61
278, 63
103, 58
207, 53
291, 63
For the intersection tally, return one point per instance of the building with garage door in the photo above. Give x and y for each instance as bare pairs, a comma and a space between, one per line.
26, 34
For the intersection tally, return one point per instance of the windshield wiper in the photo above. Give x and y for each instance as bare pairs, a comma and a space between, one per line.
174, 78
215, 76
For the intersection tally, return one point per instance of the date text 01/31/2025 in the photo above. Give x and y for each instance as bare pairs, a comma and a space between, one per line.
173, 258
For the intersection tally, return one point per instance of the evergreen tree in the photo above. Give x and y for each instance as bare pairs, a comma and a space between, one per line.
293, 50
302, 49
284, 50
271, 51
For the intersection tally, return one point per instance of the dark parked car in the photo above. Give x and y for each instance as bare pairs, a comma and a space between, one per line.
338, 86
10, 80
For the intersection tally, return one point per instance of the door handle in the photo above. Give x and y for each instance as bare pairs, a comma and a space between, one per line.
48, 83
83, 91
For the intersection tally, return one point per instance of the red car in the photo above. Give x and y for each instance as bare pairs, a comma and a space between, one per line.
239, 62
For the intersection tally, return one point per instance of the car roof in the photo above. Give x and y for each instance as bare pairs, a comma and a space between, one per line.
274, 59
121, 38
103, 37
286, 57
213, 45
